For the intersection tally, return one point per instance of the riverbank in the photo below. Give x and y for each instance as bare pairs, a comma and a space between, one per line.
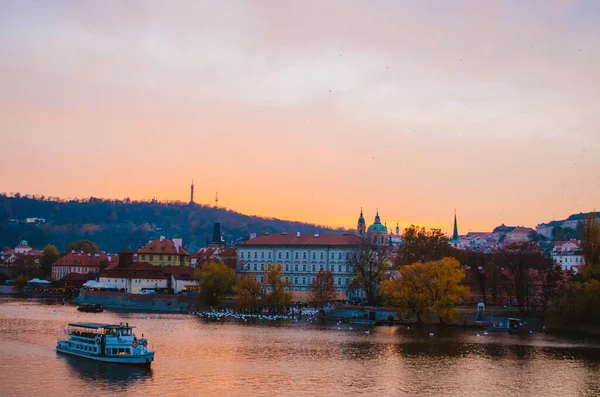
135, 302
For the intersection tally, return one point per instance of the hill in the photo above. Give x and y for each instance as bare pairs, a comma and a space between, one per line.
116, 224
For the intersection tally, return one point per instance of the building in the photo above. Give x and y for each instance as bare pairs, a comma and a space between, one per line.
133, 277
80, 263
35, 220
376, 233
22, 248
455, 242
568, 254
217, 242
301, 257
519, 234
164, 252
21, 256
572, 222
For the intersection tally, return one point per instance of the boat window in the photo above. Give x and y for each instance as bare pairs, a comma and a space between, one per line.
115, 350
127, 351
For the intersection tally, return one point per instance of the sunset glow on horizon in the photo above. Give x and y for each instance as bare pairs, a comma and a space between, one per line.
308, 110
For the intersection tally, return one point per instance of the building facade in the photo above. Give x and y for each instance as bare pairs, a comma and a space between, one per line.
164, 252
79, 263
301, 257
134, 277
568, 254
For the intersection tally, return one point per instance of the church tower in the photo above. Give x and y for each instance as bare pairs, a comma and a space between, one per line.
455, 238
397, 229
192, 193
362, 226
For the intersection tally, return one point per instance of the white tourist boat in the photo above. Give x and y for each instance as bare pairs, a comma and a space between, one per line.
106, 342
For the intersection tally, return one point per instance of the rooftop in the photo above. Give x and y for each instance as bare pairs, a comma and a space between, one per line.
303, 240
98, 325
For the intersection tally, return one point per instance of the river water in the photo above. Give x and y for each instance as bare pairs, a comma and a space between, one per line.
196, 357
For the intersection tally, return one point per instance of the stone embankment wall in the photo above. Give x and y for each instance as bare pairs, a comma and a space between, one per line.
163, 303
7, 290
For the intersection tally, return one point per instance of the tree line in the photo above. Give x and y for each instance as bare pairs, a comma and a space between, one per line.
114, 224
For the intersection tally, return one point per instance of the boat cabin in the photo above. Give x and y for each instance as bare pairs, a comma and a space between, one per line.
106, 342
104, 339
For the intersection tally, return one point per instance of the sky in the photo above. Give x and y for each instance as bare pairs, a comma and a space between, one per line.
308, 110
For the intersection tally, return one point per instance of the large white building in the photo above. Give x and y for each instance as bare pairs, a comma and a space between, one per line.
301, 257
568, 254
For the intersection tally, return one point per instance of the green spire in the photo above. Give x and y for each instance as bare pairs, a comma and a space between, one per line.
455, 234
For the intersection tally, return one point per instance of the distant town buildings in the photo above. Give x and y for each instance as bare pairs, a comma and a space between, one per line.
80, 263
134, 277
568, 254
572, 222
22, 256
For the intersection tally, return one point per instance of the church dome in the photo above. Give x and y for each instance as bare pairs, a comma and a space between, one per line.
377, 226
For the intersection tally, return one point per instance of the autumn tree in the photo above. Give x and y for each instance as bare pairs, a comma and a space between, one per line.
49, 256
590, 246
578, 302
87, 246
277, 295
370, 264
424, 289
215, 280
420, 245
248, 291
522, 261
322, 289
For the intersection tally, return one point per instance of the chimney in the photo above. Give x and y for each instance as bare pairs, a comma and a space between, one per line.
297, 234
162, 238
178, 243
252, 235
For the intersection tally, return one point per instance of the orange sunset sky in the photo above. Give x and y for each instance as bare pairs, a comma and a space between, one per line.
308, 110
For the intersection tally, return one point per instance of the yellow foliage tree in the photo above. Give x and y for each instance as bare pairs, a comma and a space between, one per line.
276, 296
215, 280
248, 292
425, 289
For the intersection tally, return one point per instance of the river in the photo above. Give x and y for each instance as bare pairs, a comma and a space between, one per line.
195, 357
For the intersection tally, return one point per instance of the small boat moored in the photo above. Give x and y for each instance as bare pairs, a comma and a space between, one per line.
91, 308
107, 343
511, 325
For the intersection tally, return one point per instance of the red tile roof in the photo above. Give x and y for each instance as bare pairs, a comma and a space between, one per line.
81, 259
303, 240
228, 252
149, 271
165, 246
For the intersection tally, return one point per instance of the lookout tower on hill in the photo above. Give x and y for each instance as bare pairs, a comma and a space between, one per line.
192, 193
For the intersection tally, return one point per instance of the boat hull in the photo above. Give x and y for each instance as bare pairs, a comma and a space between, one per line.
139, 360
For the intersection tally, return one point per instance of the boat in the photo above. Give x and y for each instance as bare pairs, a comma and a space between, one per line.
106, 343
511, 325
91, 308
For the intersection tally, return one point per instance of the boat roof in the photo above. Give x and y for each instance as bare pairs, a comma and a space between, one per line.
99, 325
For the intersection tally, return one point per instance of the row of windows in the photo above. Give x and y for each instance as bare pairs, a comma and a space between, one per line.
566, 259
310, 280
305, 268
85, 348
162, 258
296, 256
135, 281
120, 350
